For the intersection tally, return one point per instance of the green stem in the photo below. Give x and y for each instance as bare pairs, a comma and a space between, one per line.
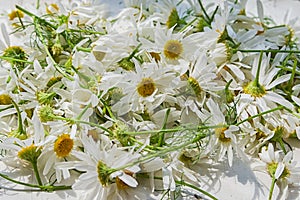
256, 80
36, 173
161, 139
35, 16
196, 188
260, 114
213, 15
111, 115
172, 130
289, 70
18, 182
204, 11
83, 111
94, 125
88, 50
187, 25
281, 143
268, 51
47, 188
272, 187
15, 59
21, 130
72, 120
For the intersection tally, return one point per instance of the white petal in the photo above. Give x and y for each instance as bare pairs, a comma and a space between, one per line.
271, 152
279, 170
296, 100
271, 96
288, 157
239, 73
129, 180
5, 34
279, 80
260, 10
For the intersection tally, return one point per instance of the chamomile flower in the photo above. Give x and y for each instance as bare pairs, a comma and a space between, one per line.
257, 94
59, 148
224, 140
172, 46
100, 171
280, 167
145, 89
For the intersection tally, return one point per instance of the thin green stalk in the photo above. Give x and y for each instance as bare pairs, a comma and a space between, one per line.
272, 187
268, 51
290, 83
21, 130
94, 125
72, 120
47, 188
36, 173
88, 50
187, 25
281, 143
15, 59
204, 11
35, 16
83, 111
18, 182
111, 115
161, 139
256, 80
196, 188
260, 114
172, 130
289, 70
213, 15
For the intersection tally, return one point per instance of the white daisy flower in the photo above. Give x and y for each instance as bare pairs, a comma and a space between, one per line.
145, 89
224, 140
258, 94
280, 167
100, 172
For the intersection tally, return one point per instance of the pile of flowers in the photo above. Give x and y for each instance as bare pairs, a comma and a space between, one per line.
136, 104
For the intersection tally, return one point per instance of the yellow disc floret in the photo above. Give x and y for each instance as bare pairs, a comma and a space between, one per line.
63, 145
146, 87
173, 49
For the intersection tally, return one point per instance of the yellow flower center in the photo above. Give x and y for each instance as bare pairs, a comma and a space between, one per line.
63, 145
15, 13
272, 169
146, 87
193, 84
255, 90
5, 99
30, 153
221, 135
173, 49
